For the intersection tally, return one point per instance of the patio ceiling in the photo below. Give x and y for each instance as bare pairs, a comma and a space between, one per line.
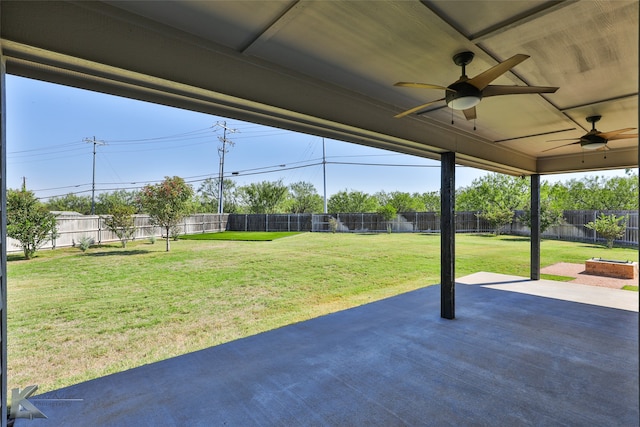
328, 68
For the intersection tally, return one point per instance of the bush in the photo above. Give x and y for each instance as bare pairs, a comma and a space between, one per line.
174, 232
609, 226
333, 224
85, 243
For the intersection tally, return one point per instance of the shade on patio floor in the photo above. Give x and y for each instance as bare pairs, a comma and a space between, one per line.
518, 353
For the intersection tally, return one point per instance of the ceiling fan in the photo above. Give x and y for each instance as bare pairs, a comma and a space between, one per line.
594, 139
465, 93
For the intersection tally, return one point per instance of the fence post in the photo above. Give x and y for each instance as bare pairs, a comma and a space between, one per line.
266, 222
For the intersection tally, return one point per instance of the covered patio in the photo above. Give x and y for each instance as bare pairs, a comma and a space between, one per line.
520, 352
329, 68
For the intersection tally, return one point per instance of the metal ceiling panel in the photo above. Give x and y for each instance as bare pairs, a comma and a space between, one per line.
474, 18
589, 49
234, 24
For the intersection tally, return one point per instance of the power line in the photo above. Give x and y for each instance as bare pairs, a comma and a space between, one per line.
95, 142
221, 152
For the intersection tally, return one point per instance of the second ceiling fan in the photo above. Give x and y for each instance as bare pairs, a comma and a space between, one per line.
594, 139
465, 93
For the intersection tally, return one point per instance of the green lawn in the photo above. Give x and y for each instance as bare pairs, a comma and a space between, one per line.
75, 316
254, 236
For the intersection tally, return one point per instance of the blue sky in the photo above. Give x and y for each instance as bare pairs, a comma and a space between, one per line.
48, 125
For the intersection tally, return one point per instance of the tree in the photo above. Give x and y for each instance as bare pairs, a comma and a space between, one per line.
351, 201
402, 202
29, 221
167, 203
71, 202
388, 214
550, 213
496, 196
598, 193
106, 202
506, 192
429, 202
497, 217
304, 198
209, 192
121, 222
264, 197
608, 226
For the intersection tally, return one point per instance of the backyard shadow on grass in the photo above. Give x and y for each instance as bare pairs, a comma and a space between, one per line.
516, 239
118, 253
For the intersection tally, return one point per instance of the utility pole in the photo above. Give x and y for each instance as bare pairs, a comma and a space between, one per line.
221, 152
95, 142
324, 174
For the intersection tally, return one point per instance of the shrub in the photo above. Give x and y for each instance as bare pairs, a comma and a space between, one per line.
333, 224
609, 226
85, 243
174, 232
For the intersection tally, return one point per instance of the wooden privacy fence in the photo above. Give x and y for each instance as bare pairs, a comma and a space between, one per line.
572, 228
71, 228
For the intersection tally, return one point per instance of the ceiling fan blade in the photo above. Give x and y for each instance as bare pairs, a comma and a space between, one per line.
483, 79
615, 134
420, 85
560, 146
565, 139
627, 136
470, 113
419, 107
494, 90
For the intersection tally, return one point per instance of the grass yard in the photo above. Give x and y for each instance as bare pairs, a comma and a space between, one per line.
75, 316
254, 236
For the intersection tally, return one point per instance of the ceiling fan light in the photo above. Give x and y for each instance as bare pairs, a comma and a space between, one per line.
593, 145
463, 102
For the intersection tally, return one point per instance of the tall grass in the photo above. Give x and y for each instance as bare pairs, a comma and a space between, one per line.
74, 316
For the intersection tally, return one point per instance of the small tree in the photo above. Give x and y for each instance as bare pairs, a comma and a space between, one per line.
121, 222
29, 221
388, 213
167, 203
497, 217
549, 216
609, 226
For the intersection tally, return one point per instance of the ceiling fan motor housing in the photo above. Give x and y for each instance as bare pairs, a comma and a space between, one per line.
592, 142
462, 95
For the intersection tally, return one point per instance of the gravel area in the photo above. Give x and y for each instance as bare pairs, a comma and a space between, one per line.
578, 271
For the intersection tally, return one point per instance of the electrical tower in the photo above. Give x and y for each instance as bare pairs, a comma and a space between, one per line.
95, 142
221, 152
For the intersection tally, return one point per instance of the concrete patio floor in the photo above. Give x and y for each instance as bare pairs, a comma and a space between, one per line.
518, 353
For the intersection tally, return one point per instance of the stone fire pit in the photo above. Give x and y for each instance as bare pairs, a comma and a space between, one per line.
612, 268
